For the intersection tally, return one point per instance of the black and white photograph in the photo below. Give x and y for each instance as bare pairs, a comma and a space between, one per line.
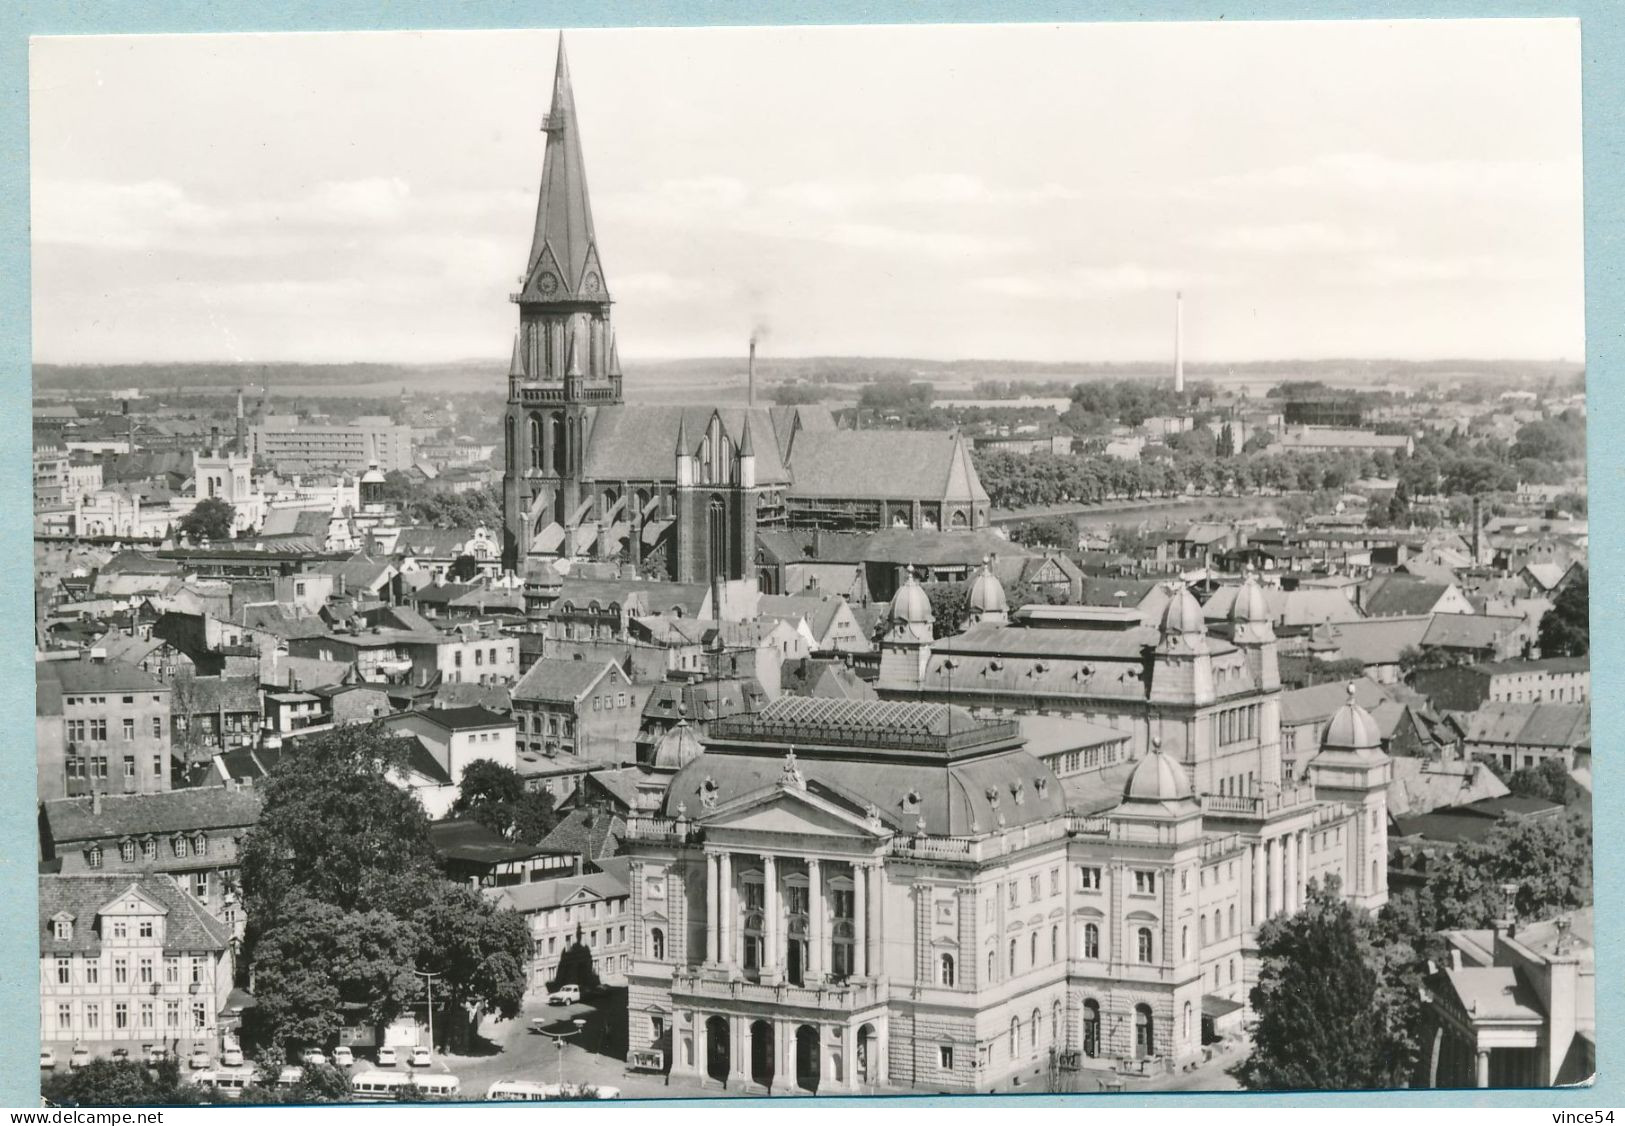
805, 561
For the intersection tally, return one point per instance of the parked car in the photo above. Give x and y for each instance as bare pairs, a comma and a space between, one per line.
290, 1076
47, 1058
121, 1053
81, 1056
343, 1057
313, 1056
156, 1054
198, 1060
386, 1056
231, 1057
421, 1057
564, 995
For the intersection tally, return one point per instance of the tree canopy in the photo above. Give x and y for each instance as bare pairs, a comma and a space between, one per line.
496, 797
210, 519
1565, 629
1334, 1004
345, 902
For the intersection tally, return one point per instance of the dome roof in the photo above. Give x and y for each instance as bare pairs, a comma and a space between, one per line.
987, 592
1250, 605
677, 748
910, 606
1352, 729
373, 476
1183, 614
1158, 778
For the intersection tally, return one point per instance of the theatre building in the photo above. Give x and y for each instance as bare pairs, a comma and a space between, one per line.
842, 896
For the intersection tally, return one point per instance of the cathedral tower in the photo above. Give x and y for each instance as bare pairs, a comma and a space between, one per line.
565, 362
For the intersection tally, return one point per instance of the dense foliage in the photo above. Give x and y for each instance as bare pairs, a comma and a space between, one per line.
496, 797
1334, 1002
1565, 629
210, 519
345, 902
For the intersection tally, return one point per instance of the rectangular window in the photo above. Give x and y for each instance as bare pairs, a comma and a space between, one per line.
146, 1014
144, 972
1032, 889
200, 885
64, 1015
64, 971
1014, 892
121, 1014
149, 849
157, 727
1055, 881
121, 972
1145, 883
145, 930
197, 971
1088, 879
172, 970
76, 731
945, 1058
172, 1014
93, 1015
843, 904
157, 766
98, 731
129, 729
93, 972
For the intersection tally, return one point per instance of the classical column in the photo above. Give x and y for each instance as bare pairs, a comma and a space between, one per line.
877, 928
725, 897
713, 918
772, 956
1290, 846
1277, 864
1483, 1079
1256, 913
860, 928
815, 920
1303, 867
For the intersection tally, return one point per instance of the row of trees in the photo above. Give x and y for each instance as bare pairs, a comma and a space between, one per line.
345, 903
473, 509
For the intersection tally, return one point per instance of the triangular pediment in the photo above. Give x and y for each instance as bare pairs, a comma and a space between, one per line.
548, 281
788, 810
133, 901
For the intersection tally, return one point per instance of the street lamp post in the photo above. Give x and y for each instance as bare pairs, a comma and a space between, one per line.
558, 1041
428, 984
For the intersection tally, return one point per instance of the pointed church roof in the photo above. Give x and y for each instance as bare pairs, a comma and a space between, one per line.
746, 447
563, 263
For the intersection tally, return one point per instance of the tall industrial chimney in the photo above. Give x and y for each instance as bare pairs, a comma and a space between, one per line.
1179, 343
750, 374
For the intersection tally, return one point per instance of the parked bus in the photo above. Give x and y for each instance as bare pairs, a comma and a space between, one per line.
386, 1086
227, 1082
519, 1091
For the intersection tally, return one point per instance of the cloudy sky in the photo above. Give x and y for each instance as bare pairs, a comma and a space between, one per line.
1404, 189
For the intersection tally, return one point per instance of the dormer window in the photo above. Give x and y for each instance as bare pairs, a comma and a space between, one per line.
93, 856
149, 849
181, 847
126, 851
63, 927
200, 845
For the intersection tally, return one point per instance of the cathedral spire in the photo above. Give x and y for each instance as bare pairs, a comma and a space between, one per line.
563, 263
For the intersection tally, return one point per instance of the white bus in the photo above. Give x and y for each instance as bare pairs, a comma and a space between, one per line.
227, 1082
386, 1086
520, 1091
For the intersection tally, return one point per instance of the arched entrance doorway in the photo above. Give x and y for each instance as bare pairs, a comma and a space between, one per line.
807, 1061
761, 1052
868, 1055
716, 1048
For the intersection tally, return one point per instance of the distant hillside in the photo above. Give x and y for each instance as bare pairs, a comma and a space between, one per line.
381, 378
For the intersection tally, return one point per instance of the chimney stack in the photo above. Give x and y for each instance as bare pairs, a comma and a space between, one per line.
214, 441
750, 374
1179, 343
